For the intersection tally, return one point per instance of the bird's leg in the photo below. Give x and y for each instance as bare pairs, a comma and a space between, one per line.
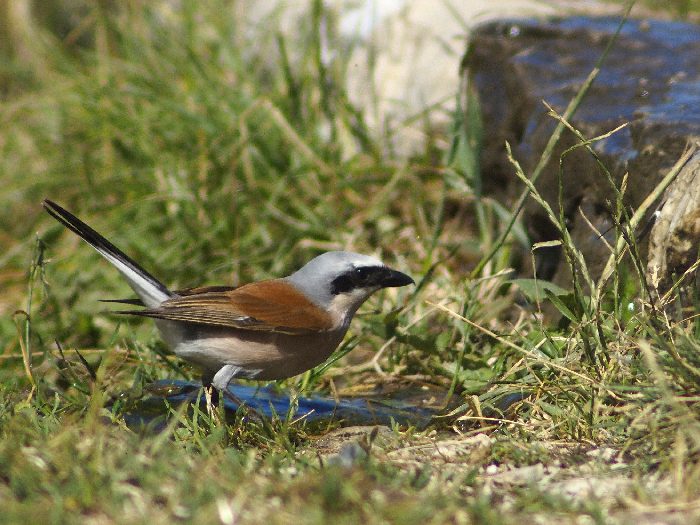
225, 375
221, 380
210, 390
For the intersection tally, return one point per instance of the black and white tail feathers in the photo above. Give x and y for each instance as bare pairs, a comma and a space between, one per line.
151, 291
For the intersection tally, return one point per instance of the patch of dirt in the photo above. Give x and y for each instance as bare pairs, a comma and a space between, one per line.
599, 477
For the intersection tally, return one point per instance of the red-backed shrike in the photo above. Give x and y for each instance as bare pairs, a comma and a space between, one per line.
264, 330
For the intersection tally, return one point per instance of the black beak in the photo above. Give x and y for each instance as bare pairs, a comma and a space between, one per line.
392, 279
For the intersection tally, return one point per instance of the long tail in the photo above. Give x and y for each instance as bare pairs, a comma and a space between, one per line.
151, 291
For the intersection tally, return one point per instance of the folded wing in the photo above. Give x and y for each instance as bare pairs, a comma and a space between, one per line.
274, 306
186, 291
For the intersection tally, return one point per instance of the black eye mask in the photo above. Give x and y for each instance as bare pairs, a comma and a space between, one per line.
368, 277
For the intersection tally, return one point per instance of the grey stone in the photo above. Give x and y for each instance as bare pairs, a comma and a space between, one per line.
650, 80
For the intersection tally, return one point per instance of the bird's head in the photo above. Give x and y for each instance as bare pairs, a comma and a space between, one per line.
340, 282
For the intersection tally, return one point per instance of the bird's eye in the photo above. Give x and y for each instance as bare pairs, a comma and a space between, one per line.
362, 273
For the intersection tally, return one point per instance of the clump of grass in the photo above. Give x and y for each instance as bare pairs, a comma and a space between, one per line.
595, 379
618, 371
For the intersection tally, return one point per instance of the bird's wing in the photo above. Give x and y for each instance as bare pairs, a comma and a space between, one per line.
183, 292
273, 306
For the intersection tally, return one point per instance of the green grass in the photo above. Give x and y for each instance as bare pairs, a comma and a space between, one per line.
216, 152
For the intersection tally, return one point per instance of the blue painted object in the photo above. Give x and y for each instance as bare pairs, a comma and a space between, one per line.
270, 402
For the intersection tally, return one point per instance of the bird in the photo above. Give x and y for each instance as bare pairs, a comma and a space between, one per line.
265, 330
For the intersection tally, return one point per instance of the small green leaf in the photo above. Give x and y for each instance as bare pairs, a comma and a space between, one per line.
546, 244
550, 409
559, 304
534, 289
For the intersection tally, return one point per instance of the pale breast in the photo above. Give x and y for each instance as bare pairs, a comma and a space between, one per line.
269, 355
